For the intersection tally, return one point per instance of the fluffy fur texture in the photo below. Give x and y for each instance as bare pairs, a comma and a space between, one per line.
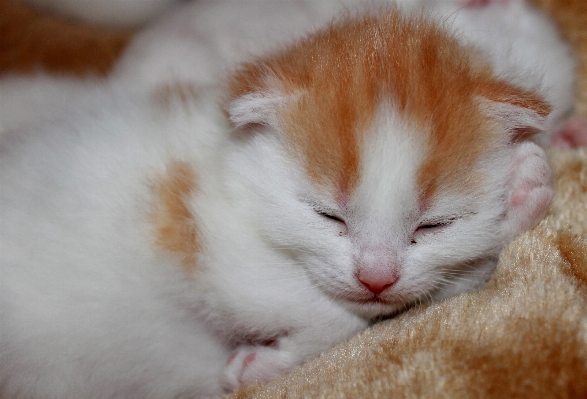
174, 182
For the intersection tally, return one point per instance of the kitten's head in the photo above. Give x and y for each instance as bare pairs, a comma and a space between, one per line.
381, 153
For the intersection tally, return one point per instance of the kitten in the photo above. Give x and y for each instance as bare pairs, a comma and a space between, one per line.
180, 241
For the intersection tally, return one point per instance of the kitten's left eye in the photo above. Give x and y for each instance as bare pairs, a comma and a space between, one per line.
431, 227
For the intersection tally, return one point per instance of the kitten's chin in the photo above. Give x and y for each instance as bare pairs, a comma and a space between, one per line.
375, 307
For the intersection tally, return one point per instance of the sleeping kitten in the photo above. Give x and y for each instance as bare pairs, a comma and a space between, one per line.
180, 241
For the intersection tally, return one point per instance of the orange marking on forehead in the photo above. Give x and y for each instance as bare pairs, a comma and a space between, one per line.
462, 132
339, 77
175, 227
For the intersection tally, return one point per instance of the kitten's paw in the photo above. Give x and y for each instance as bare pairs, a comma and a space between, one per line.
573, 133
530, 188
250, 364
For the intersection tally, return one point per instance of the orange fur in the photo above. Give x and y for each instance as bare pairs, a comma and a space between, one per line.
345, 72
175, 228
31, 40
461, 132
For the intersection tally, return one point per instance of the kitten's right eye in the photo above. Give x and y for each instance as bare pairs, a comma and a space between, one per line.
329, 213
343, 229
330, 216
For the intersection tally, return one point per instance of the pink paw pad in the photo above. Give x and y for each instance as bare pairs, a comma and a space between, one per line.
248, 360
255, 363
531, 188
235, 367
573, 133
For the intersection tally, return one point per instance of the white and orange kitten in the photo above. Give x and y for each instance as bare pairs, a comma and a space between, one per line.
159, 239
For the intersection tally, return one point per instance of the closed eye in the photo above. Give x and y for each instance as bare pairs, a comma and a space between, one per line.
328, 213
340, 222
431, 227
330, 216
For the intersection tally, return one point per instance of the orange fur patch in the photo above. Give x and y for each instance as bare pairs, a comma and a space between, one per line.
175, 228
344, 73
30, 40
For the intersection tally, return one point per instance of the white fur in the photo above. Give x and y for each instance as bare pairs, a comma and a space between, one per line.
25, 99
81, 277
92, 308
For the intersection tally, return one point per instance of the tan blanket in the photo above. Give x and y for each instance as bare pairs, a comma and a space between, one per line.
524, 335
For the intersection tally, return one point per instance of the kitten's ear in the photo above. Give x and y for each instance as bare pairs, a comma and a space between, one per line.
520, 112
256, 94
255, 108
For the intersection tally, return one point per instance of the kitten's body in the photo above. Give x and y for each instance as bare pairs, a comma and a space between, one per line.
92, 306
152, 247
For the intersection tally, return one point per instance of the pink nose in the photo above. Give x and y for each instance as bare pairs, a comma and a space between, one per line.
377, 281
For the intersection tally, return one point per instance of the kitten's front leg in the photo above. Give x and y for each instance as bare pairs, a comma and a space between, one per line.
530, 189
279, 355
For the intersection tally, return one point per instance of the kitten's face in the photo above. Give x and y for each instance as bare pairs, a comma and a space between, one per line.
382, 244
384, 149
